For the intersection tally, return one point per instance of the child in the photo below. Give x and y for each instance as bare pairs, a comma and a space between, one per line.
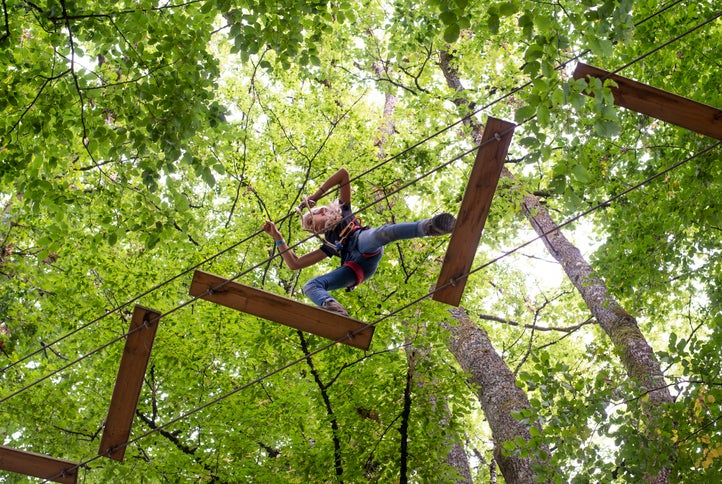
360, 248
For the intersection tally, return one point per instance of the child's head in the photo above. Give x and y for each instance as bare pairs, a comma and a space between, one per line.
322, 218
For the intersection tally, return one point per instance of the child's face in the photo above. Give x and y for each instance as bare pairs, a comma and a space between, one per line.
319, 219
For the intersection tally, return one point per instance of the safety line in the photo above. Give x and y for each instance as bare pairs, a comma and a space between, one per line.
386, 196
669, 42
195, 298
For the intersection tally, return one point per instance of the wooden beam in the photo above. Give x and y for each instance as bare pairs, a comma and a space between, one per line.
282, 310
659, 104
474, 210
129, 382
37, 465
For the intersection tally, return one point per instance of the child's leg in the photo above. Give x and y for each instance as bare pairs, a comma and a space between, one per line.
317, 288
371, 240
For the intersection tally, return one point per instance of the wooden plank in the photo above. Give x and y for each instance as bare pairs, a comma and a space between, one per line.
659, 104
129, 382
282, 310
38, 465
474, 210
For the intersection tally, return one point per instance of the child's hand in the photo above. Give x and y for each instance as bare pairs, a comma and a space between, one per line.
270, 228
307, 202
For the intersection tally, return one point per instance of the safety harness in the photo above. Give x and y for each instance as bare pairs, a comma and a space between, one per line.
339, 246
347, 231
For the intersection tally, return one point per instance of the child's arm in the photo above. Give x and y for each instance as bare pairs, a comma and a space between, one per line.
293, 261
341, 178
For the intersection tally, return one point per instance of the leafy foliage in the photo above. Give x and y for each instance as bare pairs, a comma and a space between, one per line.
141, 140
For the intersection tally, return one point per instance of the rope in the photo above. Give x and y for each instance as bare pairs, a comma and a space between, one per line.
402, 187
195, 298
118, 308
669, 42
294, 362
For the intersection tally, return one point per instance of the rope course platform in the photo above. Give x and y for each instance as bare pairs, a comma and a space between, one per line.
474, 210
129, 382
281, 310
657, 103
38, 465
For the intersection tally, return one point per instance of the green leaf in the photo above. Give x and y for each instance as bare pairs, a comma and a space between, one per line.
601, 47
532, 68
578, 101
606, 128
451, 33
524, 113
533, 52
492, 23
208, 177
543, 23
581, 174
530, 142
509, 8
448, 17
543, 115
207, 6
526, 23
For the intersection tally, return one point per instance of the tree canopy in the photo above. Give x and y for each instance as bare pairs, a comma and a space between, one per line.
142, 140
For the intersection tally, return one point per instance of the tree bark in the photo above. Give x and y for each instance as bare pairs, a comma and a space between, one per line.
456, 456
498, 394
388, 127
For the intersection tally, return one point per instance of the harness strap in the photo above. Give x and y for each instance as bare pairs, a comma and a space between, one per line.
349, 229
357, 270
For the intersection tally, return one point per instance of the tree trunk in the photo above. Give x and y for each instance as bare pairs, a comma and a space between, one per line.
388, 127
498, 394
637, 356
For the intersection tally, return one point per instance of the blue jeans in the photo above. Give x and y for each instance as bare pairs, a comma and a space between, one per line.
365, 249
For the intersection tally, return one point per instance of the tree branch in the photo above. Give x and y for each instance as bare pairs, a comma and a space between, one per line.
71, 40
35, 99
338, 464
49, 347
566, 329
405, 414
84, 435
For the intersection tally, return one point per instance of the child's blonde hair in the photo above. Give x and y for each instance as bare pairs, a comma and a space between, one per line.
333, 216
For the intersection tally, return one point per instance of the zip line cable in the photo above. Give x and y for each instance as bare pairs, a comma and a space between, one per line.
509, 94
81, 358
391, 158
156, 287
296, 361
669, 42
121, 306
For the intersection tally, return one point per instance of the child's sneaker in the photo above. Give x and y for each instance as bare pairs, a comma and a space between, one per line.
439, 224
333, 306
